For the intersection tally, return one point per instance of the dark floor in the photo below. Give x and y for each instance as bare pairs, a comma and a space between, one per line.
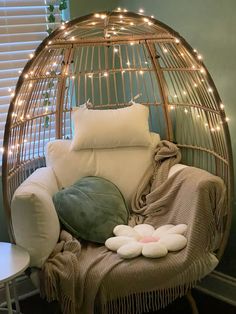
205, 304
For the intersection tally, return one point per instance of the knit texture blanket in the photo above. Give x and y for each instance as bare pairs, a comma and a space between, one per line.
87, 278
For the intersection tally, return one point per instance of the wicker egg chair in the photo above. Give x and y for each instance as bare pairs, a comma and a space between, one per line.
111, 58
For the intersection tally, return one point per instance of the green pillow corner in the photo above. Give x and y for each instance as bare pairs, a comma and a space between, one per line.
91, 208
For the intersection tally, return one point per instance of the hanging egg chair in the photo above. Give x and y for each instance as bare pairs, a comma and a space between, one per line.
109, 59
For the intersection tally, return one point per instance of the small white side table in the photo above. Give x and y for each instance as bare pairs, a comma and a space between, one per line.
13, 261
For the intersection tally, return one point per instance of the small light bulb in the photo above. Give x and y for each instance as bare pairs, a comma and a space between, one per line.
118, 9
90, 75
210, 90
2, 149
28, 116
103, 16
195, 85
145, 19
30, 85
175, 96
25, 141
165, 50
63, 27
73, 38
19, 71
107, 35
185, 110
47, 73
202, 70
212, 130
12, 94
222, 106
182, 54
128, 63
26, 75
141, 11
131, 23
123, 72
198, 115
54, 64
115, 33
195, 50
202, 80
199, 57
31, 55
93, 23
9, 90
31, 72
115, 50
206, 124
140, 72
125, 10
132, 43
66, 33
193, 66
105, 74
172, 107
50, 42
227, 119
218, 128
177, 40
73, 77
20, 103
96, 15
152, 16
150, 23
113, 28
121, 16
122, 28
184, 92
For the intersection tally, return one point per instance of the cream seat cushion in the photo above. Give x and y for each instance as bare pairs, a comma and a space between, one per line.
34, 218
123, 166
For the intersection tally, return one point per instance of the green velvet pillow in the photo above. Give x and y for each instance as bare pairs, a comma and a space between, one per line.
91, 208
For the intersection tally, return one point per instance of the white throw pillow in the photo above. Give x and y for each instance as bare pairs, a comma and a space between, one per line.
110, 128
123, 166
34, 218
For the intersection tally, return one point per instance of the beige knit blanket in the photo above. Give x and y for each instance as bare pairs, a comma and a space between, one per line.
93, 279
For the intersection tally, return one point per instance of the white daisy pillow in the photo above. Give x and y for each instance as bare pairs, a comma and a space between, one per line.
144, 240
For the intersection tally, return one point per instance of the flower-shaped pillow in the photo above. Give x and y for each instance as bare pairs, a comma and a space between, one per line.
144, 240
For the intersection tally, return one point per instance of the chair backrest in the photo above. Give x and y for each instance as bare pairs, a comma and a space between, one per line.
123, 166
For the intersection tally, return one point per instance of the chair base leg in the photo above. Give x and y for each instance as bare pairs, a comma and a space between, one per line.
192, 303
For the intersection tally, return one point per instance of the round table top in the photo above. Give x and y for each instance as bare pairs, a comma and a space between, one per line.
13, 261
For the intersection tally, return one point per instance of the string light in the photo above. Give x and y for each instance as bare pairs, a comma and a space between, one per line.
115, 50
222, 106
123, 72
31, 55
141, 11
218, 128
103, 16
26, 76
128, 63
146, 19
131, 23
184, 92
118, 9
125, 10
172, 107
199, 57
185, 110
195, 50
198, 115
96, 15
63, 26
121, 16
152, 16
122, 28
105, 74
210, 90
165, 50
50, 42
90, 75
132, 43
195, 85
227, 119
140, 72
193, 66
177, 40
212, 130
73, 77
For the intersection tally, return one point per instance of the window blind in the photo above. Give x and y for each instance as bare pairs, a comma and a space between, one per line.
23, 25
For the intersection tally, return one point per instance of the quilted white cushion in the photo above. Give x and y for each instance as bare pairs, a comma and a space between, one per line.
110, 128
123, 166
35, 222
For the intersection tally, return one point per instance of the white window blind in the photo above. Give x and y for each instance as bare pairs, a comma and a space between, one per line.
23, 25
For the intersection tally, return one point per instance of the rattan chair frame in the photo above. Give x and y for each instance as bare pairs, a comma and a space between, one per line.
111, 58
